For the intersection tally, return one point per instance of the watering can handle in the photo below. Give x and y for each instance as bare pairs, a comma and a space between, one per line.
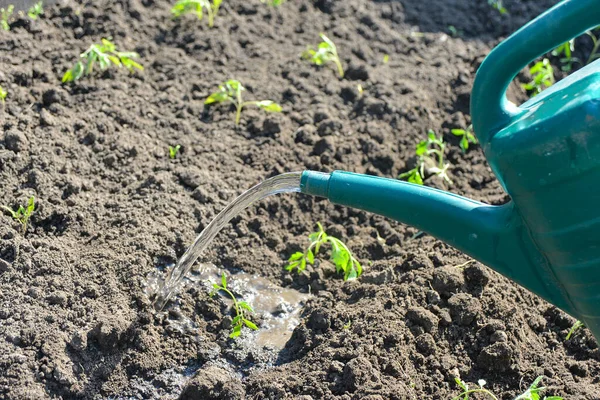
490, 109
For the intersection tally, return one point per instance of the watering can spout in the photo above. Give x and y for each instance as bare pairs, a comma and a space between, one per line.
493, 235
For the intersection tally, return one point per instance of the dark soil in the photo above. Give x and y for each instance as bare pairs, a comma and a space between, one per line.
112, 207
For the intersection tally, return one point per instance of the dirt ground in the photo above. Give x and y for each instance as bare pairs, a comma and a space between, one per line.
75, 321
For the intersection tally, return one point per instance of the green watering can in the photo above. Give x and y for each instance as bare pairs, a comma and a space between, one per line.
546, 155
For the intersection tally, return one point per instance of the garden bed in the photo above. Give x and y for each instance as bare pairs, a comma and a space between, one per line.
112, 207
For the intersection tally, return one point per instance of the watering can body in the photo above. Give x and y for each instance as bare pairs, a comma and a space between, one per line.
546, 155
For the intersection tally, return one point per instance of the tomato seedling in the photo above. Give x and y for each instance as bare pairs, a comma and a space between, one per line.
105, 55
196, 7
3, 94
466, 136
173, 150
241, 307
497, 5
594, 55
341, 256
542, 74
23, 213
231, 92
566, 51
576, 326
5, 14
532, 393
326, 52
427, 151
36, 10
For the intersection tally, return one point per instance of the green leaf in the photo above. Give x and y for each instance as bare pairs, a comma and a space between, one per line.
216, 287
458, 132
292, 265
250, 325
310, 256
236, 332
269, 106
224, 280
296, 256
236, 320
217, 97
245, 306
422, 147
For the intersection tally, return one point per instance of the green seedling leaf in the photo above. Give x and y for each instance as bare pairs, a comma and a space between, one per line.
273, 3
104, 55
542, 74
5, 14
576, 327
231, 91
326, 52
22, 214
497, 5
250, 325
36, 10
196, 7
466, 137
173, 150
3, 94
224, 281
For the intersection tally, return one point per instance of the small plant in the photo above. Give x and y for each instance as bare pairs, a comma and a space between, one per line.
497, 5
3, 94
576, 326
533, 393
36, 10
5, 14
466, 391
543, 77
104, 54
196, 7
326, 52
466, 136
386, 58
241, 307
427, 151
173, 150
595, 54
341, 256
231, 92
23, 213
566, 51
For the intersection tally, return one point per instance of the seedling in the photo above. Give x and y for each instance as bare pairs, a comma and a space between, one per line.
22, 214
231, 92
36, 10
3, 94
105, 55
341, 256
532, 393
386, 58
543, 77
576, 326
241, 307
173, 151
427, 151
497, 5
566, 51
594, 55
5, 14
325, 53
466, 137
196, 7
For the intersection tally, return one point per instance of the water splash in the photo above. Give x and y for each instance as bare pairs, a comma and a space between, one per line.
284, 183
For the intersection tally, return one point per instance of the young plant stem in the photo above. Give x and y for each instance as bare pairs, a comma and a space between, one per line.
593, 54
464, 395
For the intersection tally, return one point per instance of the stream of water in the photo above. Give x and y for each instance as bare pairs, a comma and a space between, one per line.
284, 183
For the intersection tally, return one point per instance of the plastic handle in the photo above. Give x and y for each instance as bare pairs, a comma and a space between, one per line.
490, 109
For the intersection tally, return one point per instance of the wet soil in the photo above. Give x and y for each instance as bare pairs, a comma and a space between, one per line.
75, 321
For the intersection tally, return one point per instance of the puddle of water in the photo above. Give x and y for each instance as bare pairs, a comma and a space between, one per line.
279, 307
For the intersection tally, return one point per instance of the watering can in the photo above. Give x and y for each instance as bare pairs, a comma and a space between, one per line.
546, 155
